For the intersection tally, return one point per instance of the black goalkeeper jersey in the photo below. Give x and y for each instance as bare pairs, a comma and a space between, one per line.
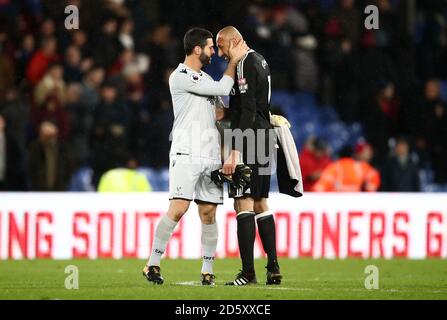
250, 97
250, 109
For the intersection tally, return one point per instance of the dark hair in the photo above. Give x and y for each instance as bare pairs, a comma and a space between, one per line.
319, 144
346, 152
54, 64
195, 37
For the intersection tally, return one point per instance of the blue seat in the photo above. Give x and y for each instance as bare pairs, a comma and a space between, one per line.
163, 175
444, 90
356, 133
328, 114
274, 183
152, 176
81, 180
305, 99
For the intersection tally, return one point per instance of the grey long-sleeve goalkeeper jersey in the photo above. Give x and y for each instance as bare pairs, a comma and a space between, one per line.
195, 96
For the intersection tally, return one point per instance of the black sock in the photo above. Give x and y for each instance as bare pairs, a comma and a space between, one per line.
267, 232
246, 233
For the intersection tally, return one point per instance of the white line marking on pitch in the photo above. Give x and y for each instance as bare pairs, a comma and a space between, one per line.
187, 283
197, 284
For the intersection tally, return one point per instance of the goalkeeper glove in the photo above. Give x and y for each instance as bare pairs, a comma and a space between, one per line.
240, 179
278, 121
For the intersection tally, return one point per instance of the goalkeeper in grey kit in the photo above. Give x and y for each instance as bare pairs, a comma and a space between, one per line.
250, 112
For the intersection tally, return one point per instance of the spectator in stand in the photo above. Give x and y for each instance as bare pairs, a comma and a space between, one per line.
80, 39
110, 132
126, 34
81, 120
38, 65
47, 29
54, 111
73, 64
51, 85
431, 44
341, 39
15, 114
90, 87
107, 46
400, 171
434, 124
282, 41
23, 56
426, 121
380, 119
49, 161
363, 152
314, 158
348, 175
345, 21
126, 58
256, 29
140, 116
164, 52
7, 72
49, 101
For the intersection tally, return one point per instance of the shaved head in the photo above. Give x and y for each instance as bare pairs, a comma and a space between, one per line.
223, 39
229, 33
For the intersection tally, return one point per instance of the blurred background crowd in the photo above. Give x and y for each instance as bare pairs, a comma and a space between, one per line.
367, 107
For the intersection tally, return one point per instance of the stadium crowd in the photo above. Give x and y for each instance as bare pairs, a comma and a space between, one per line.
98, 97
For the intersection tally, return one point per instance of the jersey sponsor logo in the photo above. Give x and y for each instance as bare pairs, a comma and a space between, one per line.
195, 77
183, 71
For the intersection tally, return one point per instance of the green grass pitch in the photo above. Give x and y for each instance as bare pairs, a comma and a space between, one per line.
303, 279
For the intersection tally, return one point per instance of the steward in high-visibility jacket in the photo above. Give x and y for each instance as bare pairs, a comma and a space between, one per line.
124, 180
348, 175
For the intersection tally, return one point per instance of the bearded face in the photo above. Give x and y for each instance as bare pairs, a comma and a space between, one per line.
204, 58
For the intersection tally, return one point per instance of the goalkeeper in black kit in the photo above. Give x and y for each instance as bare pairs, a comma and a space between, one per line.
252, 145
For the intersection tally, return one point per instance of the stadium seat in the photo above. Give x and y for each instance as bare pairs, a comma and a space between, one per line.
444, 90
274, 183
152, 176
81, 181
355, 131
328, 114
305, 99
163, 176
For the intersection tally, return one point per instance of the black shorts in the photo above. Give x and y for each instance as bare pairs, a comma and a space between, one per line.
259, 185
260, 173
